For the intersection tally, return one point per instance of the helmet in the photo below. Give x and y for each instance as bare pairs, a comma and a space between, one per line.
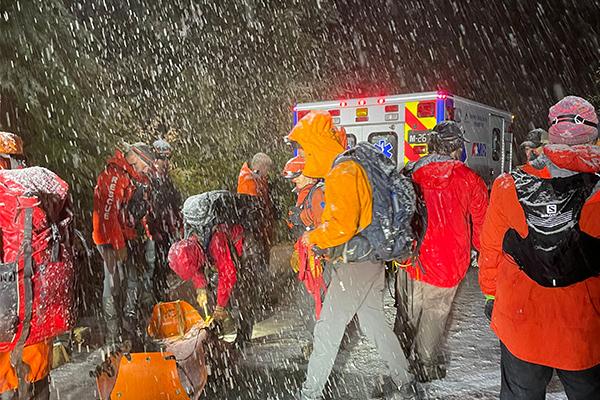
293, 168
162, 149
11, 144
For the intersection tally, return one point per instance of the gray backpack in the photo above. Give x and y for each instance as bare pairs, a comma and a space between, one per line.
392, 234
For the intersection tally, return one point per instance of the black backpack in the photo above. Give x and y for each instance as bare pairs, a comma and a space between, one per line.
394, 229
555, 253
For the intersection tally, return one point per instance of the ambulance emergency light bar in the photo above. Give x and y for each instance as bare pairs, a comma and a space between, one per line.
427, 107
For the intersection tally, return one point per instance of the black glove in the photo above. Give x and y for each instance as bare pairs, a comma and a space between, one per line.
489, 308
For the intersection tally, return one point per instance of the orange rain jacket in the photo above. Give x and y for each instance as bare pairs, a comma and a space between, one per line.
556, 327
112, 193
36, 356
250, 183
348, 196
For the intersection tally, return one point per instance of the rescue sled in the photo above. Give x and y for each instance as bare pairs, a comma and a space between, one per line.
178, 371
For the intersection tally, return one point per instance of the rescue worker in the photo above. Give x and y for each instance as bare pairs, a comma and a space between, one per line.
38, 357
253, 180
164, 221
456, 200
534, 141
120, 203
356, 287
227, 247
539, 263
533, 148
306, 215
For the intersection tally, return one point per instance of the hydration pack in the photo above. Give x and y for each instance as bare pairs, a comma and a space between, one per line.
393, 232
555, 253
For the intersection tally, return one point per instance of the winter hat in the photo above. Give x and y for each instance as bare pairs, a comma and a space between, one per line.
535, 138
293, 168
572, 120
446, 137
162, 149
187, 259
143, 151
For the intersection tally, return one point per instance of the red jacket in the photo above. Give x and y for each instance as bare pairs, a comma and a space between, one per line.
456, 200
114, 189
556, 327
220, 257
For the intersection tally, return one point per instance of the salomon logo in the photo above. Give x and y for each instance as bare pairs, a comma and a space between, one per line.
551, 209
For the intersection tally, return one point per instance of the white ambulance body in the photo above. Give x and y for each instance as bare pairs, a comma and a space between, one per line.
399, 125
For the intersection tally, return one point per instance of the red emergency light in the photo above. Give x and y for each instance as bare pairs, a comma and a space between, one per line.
362, 102
391, 108
302, 113
334, 113
426, 109
380, 101
343, 103
420, 149
442, 95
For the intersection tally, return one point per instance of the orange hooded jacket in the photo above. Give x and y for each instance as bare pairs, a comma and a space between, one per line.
556, 327
348, 196
36, 356
113, 191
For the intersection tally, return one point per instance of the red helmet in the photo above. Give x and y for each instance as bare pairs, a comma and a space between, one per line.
186, 258
293, 168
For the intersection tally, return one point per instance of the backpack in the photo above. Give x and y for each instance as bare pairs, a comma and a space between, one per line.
392, 233
37, 276
202, 212
555, 253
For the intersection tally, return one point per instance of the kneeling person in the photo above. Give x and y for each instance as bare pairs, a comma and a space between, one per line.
215, 237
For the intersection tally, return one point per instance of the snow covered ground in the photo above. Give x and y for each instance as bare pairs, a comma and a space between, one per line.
273, 367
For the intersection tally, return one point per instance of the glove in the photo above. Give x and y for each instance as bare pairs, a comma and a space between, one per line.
489, 307
122, 254
202, 298
220, 314
295, 261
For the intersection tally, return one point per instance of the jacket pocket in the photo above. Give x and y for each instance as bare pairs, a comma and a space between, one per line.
513, 297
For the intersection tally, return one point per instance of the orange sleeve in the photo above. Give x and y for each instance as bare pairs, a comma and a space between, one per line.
494, 228
348, 206
589, 221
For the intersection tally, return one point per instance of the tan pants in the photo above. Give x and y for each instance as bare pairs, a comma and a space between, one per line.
421, 318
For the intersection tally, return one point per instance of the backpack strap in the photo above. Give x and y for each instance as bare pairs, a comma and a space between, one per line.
16, 356
309, 198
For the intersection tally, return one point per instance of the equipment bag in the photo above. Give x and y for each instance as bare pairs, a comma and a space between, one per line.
37, 296
555, 253
178, 372
390, 235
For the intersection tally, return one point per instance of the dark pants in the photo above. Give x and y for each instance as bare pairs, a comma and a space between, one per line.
527, 381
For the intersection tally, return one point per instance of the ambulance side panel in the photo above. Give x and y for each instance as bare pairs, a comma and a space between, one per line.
485, 131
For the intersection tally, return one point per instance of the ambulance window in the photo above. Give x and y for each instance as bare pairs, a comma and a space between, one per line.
351, 140
496, 144
387, 142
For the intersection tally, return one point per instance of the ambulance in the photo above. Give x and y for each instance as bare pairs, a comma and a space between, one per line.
399, 126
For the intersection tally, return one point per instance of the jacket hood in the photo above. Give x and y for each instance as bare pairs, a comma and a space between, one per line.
435, 171
580, 158
118, 160
320, 140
